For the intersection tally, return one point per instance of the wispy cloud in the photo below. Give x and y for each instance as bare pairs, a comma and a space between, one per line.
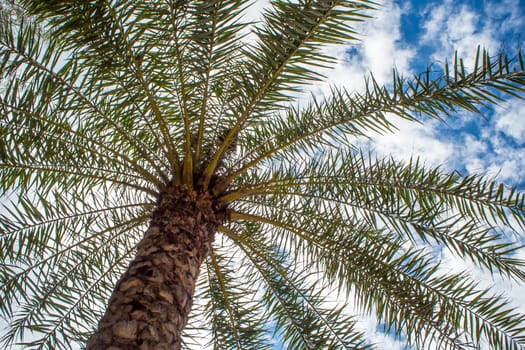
451, 26
415, 141
380, 49
509, 119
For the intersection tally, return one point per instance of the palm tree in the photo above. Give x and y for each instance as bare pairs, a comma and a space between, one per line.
154, 155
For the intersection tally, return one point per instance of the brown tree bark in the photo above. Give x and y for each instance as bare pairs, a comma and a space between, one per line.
150, 305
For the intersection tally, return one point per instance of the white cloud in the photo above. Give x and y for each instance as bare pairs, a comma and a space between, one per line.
490, 153
507, 162
379, 51
255, 10
415, 140
378, 337
499, 149
451, 27
501, 285
507, 137
510, 119
505, 15
383, 47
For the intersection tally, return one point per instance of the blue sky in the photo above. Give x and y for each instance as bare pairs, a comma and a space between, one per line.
411, 35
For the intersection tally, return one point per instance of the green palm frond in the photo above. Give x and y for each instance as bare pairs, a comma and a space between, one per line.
216, 40
59, 255
289, 42
62, 116
295, 300
238, 319
117, 43
403, 286
337, 118
66, 256
417, 203
60, 314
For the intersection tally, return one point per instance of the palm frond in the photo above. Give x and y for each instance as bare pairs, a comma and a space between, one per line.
38, 84
403, 286
343, 115
288, 42
417, 203
39, 236
58, 295
59, 319
215, 39
237, 318
116, 48
293, 299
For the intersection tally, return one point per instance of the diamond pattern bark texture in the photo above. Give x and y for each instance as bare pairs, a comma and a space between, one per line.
151, 303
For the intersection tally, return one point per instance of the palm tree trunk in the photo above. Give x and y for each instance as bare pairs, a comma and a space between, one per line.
150, 305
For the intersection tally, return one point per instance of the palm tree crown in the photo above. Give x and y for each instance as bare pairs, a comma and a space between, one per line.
149, 142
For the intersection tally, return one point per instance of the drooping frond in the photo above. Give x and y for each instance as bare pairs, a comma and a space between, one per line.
58, 256
414, 299
229, 311
294, 297
237, 318
402, 285
417, 203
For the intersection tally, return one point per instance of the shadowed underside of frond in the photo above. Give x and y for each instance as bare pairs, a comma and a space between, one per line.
106, 106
